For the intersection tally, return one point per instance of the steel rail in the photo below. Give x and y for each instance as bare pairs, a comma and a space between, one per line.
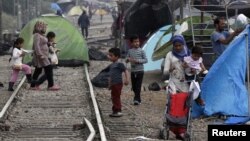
97, 112
13, 95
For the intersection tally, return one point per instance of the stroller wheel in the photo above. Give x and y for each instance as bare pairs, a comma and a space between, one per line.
164, 133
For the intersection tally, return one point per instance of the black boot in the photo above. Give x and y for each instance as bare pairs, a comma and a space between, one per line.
29, 78
11, 84
1, 84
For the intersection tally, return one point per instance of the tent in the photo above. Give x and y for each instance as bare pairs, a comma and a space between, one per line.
77, 10
69, 40
150, 45
224, 87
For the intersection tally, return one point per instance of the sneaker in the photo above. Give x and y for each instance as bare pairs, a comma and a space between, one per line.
180, 136
116, 114
36, 88
136, 102
10, 89
54, 88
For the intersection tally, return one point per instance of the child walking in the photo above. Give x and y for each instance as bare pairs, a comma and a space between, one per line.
52, 48
17, 65
116, 81
193, 65
137, 57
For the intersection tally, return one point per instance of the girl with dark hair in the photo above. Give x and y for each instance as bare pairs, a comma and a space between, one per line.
17, 65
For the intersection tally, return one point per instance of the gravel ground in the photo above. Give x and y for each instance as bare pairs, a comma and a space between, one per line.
5, 72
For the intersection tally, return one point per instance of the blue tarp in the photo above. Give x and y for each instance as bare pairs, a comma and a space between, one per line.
224, 89
237, 120
55, 7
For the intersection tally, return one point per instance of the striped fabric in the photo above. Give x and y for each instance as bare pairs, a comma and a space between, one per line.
139, 55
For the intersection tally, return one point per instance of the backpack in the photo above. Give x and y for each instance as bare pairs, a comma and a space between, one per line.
154, 86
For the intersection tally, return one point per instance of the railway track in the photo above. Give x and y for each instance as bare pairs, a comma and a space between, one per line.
66, 114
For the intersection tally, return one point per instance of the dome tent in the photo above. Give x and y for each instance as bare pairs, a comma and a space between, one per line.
69, 40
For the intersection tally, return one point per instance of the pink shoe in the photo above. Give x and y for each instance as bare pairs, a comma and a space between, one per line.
54, 88
36, 88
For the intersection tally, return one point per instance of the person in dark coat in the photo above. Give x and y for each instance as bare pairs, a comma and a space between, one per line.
84, 23
59, 12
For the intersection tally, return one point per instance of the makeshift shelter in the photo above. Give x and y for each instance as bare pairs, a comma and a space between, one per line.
224, 88
146, 16
73, 48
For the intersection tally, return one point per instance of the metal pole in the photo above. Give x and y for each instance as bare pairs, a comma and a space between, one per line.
202, 17
181, 10
1, 37
39, 8
19, 14
173, 17
28, 10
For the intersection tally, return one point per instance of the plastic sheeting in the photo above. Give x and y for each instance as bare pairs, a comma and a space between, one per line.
146, 16
223, 88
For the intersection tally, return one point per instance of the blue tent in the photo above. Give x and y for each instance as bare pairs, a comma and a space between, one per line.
224, 88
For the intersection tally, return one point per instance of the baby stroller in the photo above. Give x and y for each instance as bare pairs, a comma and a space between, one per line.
177, 116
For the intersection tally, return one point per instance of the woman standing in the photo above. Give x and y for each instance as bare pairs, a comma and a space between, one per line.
174, 64
41, 58
177, 84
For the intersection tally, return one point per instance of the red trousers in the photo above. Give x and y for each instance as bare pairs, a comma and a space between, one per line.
116, 90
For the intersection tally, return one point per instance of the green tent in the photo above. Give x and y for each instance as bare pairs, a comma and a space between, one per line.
69, 40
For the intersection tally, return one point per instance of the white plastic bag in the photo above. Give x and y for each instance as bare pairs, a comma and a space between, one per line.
54, 59
195, 88
241, 21
53, 56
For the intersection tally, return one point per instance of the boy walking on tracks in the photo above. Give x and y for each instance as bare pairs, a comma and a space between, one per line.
137, 57
115, 80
